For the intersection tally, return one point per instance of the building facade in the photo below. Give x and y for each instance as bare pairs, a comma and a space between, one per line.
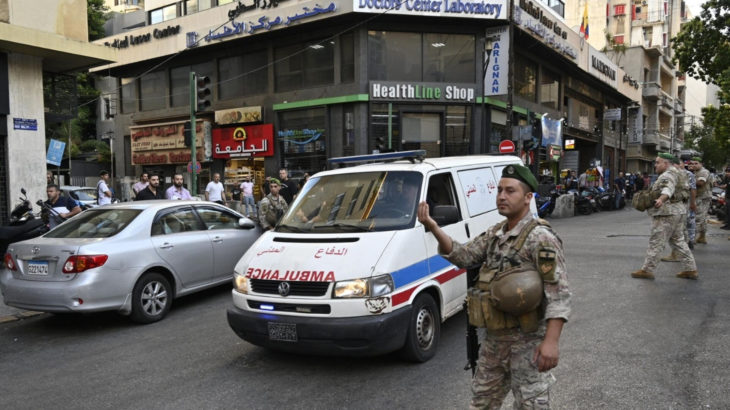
36, 39
310, 81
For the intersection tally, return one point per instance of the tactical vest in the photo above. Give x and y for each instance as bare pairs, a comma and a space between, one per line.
483, 307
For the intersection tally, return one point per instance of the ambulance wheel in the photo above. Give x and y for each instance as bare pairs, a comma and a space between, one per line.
424, 330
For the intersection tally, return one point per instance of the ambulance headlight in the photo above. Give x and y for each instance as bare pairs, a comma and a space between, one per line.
240, 282
361, 288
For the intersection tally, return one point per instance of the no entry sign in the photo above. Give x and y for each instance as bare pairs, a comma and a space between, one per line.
506, 146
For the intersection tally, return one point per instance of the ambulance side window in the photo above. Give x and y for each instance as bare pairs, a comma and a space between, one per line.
441, 192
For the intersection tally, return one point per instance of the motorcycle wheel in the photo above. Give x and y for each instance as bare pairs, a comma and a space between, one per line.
585, 209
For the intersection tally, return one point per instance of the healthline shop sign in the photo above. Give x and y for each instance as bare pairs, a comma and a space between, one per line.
496, 9
425, 92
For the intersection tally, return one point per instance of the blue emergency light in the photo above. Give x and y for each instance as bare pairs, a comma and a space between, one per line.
382, 157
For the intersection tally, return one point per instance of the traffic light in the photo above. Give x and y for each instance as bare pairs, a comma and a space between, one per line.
187, 134
202, 92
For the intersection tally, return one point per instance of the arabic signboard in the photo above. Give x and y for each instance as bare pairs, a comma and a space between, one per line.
600, 66
494, 9
495, 79
25, 124
238, 115
244, 141
165, 143
480, 189
55, 152
534, 19
425, 92
612, 114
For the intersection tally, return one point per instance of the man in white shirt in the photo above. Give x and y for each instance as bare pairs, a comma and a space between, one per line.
103, 193
249, 204
215, 191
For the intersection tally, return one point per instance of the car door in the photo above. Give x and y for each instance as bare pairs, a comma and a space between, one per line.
228, 239
180, 239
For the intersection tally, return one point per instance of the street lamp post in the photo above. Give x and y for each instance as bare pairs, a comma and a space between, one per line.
486, 130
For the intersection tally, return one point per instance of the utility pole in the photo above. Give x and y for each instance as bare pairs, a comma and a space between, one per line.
193, 157
511, 71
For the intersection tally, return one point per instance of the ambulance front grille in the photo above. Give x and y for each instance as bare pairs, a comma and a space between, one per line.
295, 288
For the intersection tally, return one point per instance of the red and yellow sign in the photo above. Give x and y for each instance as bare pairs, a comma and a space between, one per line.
248, 141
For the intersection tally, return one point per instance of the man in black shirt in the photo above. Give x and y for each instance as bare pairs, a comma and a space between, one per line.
289, 188
152, 191
63, 206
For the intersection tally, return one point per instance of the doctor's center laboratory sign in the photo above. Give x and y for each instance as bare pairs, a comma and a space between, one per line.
485, 9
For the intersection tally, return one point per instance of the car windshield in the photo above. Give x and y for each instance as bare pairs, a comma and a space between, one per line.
86, 194
95, 223
357, 202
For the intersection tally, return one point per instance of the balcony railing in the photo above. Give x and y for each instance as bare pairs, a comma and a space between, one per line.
651, 91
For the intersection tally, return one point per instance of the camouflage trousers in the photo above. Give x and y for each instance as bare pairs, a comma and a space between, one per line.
703, 206
667, 228
505, 363
690, 227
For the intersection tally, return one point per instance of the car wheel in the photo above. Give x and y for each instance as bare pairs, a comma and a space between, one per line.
424, 330
151, 298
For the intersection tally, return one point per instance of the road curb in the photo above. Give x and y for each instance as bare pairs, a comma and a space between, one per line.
18, 316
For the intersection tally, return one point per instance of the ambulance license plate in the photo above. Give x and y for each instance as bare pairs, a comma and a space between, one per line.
284, 332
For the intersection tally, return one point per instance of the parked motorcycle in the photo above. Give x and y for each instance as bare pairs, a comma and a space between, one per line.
546, 203
592, 195
717, 205
24, 224
583, 205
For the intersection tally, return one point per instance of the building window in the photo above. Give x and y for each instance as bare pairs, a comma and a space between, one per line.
191, 6
128, 90
163, 14
303, 140
525, 78
347, 58
180, 82
152, 91
304, 65
458, 130
448, 57
394, 56
244, 75
619, 10
549, 89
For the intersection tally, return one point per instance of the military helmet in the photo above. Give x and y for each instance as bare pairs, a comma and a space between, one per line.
517, 291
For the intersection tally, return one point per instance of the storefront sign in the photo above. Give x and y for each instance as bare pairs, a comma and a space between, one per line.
495, 80
552, 132
135, 40
494, 9
165, 143
426, 92
238, 115
602, 67
541, 24
570, 143
244, 141
25, 124
612, 114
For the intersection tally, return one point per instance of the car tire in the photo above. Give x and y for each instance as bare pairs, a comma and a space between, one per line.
151, 298
424, 330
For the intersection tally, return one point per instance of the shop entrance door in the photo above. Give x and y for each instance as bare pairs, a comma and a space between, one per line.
421, 130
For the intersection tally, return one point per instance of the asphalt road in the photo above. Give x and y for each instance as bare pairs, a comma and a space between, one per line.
630, 344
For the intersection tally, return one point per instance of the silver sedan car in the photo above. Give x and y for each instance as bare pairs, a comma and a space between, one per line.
134, 258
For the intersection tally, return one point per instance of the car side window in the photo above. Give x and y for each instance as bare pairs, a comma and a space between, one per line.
217, 219
440, 191
176, 221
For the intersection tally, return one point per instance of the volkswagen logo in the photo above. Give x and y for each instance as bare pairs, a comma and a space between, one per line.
284, 288
35, 250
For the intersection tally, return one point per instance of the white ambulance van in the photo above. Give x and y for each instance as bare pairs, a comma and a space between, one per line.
349, 270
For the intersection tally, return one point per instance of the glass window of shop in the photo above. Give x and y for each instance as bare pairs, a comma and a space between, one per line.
304, 65
180, 81
549, 88
152, 91
302, 136
243, 75
525, 78
128, 91
163, 14
458, 130
435, 57
347, 57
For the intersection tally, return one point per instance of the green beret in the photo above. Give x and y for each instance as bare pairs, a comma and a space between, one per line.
666, 155
675, 160
274, 181
520, 173
698, 159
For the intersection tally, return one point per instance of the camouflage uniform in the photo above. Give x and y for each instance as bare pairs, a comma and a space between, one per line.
704, 198
691, 226
271, 209
506, 357
667, 224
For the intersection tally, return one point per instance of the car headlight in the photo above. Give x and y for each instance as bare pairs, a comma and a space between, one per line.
361, 288
240, 283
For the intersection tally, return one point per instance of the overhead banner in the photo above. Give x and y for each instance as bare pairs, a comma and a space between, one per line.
244, 141
552, 132
481, 9
497, 62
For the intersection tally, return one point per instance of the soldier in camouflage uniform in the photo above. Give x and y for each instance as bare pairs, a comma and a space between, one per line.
272, 207
512, 358
704, 197
667, 222
687, 181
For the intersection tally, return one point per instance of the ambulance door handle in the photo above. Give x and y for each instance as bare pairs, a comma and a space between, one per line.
466, 227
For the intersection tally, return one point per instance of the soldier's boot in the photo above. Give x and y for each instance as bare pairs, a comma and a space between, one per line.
688, 274
673, 257
701, 238
642, 274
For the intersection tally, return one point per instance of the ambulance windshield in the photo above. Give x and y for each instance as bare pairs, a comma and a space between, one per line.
357, 202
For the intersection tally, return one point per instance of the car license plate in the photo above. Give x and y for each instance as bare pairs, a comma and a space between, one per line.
37, 268
285, 332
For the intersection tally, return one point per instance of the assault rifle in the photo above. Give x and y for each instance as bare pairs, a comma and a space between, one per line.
472, 340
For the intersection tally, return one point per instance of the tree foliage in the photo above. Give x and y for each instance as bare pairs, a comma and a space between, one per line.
96, 15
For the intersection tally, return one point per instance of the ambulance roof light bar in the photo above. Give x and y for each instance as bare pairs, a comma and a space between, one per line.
382, 157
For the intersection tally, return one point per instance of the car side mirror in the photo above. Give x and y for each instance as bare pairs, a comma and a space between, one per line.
445, 214
246, 223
